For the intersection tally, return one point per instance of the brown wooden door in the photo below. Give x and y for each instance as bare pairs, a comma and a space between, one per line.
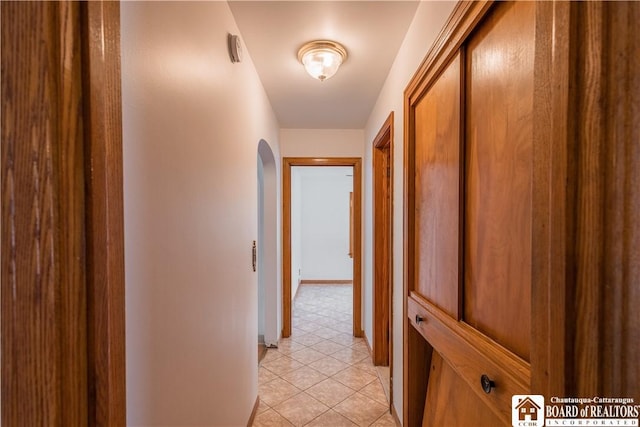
470, 288
520, 131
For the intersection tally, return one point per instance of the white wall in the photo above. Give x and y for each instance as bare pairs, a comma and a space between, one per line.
191, 122
296, 230
325, 222
321, 142
427, 23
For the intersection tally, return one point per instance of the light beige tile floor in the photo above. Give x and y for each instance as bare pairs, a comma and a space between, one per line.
321, 376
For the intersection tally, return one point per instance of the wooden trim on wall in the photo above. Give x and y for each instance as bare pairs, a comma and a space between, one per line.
254, 412
287, 163
105, 212
62, 258
44, 347
550, 207
382, 340
383, 236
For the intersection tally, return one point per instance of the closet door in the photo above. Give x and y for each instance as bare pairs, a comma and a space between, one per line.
469, 286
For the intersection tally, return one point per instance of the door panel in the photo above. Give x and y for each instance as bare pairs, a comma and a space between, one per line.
499, 85
472, 355
469, 294
451, 402
437, 184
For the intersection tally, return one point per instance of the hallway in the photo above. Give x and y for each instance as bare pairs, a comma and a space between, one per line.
321, 376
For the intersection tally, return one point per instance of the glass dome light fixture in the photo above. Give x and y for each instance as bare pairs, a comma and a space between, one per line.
322, 58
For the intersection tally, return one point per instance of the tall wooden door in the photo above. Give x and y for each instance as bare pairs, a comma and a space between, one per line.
470, 294
521, 259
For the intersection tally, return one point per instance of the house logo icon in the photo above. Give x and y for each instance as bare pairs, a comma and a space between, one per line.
527, 410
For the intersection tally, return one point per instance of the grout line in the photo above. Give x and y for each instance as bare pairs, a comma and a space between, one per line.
317, 316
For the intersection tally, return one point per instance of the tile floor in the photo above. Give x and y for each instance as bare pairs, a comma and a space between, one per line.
322, 375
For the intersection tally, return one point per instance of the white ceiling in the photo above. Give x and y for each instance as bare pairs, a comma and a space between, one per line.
371, 31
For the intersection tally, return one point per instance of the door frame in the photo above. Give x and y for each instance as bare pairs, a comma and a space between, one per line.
383, 244
287, 163
382, 349
63, 327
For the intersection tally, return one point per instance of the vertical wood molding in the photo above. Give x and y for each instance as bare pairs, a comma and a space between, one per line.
382, 158
44, 354
286, 249
62, 315
586, 263
71, 214
552, 206
105, 228
621, 322
607, 264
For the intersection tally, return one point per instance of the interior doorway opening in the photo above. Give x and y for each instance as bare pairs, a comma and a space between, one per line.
289, 269
267, 249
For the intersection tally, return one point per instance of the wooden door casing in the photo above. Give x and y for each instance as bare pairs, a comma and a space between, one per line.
383, 244
287, 164
63, 330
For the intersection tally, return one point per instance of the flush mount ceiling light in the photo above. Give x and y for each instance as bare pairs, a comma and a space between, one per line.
322, 58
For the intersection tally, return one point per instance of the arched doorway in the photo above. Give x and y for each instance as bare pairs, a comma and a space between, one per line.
269, 293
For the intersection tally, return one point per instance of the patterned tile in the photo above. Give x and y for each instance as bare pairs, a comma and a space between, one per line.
375, 391
276, 391
300, 409
262, 407
308, 326
327, 347
270, 418
265, 375
282, 365
354, 378
307, 355
361, 346
345, 339
331, 419
326, 333
366, 365
360, 409
286, 346
350, 356
330, 392
328, 365
304, 377
312, 377
386, 420
272, 354
306, 339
